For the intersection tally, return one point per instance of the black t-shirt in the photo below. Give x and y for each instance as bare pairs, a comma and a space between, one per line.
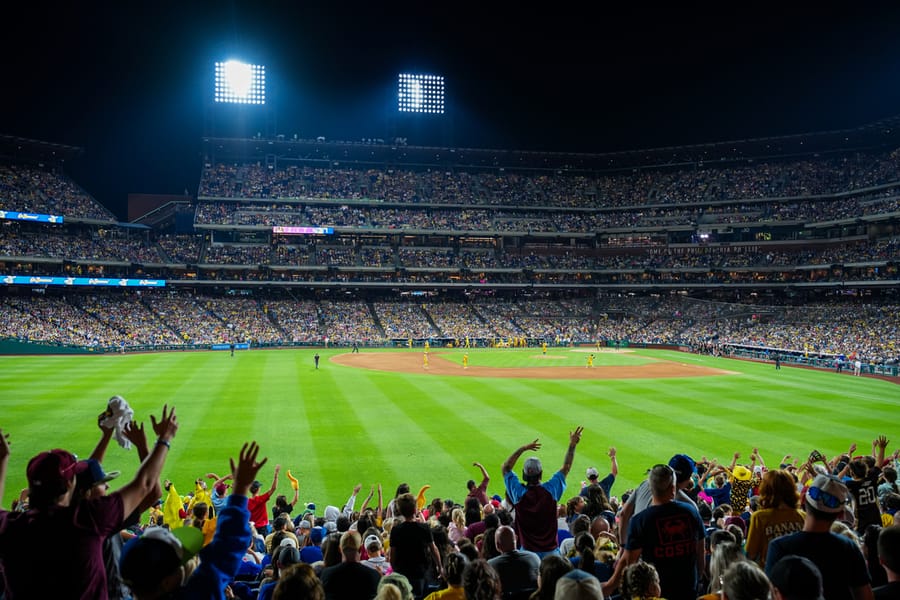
667, 536
865, 500
410, 547
348, 581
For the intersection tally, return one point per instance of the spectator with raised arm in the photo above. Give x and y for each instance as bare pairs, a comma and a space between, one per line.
593, 475
259, 513
79, 527
535, 502
153, 564
479, 492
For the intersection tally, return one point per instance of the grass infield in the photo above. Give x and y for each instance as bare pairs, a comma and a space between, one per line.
339, 425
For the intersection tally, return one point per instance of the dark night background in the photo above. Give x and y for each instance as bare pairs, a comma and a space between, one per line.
130, 85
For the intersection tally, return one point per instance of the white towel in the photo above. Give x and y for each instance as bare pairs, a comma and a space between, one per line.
118, 415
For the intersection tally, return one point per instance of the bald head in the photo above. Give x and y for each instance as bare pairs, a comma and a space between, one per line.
505, 539
599, 525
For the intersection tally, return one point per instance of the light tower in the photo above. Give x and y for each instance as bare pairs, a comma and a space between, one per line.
238, 104
421, 112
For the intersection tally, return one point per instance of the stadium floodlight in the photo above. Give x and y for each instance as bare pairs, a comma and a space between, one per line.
240, 83
421, 94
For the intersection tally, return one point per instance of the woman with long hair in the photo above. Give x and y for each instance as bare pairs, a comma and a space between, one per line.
553, 566
778, 514
481, 581
454, 566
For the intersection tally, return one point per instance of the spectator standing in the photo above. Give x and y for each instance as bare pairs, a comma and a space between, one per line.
411, 545
350, 579
840, 560
259, 512
535, 502
669, 534
778, 514
79, 527
479, 492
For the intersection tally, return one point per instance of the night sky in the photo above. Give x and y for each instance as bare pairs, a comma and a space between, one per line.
131, 86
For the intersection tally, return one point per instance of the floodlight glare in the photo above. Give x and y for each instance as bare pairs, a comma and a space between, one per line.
421, 94
240, 83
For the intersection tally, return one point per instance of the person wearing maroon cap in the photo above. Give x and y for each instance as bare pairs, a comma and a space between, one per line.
78, 527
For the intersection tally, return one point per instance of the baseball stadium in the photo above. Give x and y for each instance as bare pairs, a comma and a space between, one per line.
380, 312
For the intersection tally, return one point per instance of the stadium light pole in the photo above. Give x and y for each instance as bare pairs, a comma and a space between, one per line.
239, 100
421, 106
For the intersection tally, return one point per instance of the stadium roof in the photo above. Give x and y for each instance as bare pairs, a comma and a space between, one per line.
880, 135
26, 149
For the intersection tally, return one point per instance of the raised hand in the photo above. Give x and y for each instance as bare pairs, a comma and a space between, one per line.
134, 433
246, 469
167, 426
535, 445
575, 436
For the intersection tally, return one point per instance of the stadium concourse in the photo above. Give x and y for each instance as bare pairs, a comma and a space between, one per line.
775, 251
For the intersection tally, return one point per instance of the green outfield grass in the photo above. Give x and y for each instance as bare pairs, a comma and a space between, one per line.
339, 426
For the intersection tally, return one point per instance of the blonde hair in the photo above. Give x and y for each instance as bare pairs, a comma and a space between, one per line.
458, 517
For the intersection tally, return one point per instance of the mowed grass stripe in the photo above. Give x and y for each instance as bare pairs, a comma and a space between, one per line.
338, 408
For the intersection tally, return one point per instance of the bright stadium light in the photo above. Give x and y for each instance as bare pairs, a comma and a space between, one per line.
421, 94
240, 83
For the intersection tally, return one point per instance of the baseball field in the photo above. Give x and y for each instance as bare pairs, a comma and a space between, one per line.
383, 416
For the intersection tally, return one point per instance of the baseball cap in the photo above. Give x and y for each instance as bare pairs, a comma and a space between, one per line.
288, 542
221, 488
532, 467
49, 473
372, 541
797, 578
304, 524
828, 495
579, 584
147, 559
684, 466
90, 473
593, 473
254, 487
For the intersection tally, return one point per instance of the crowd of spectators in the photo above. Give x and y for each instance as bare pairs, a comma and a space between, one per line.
644, 187
34, 190
552, 220
167, 318
744, 528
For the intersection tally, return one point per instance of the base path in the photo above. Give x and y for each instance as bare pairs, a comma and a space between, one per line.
411, 362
